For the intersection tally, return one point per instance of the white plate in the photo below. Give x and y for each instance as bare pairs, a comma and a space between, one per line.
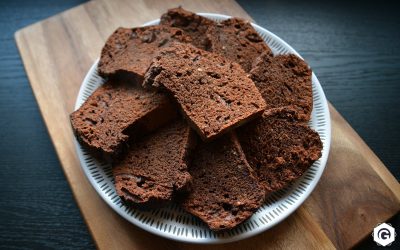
174, 223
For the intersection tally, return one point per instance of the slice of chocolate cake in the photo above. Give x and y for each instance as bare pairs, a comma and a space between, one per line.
225, 191
278, 148
215, 94
238, 41
155, 167
128, 52
193, 25
116, 111
284, 81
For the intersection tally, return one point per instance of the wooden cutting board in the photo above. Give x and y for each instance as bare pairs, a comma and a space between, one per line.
355, 193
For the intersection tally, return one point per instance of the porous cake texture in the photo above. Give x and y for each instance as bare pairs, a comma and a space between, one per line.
117, 111
128, 52
214, 94
225, 190
155, 167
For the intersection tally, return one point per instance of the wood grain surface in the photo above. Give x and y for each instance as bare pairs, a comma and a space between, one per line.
355, 193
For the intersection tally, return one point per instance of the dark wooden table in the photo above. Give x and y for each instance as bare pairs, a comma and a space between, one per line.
353, 48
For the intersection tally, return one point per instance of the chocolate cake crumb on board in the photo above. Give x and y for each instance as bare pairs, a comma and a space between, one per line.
115, 112
214, 93
193, 25
225, 191
128, 52
284, 81
238, 41
278, 148
155, 167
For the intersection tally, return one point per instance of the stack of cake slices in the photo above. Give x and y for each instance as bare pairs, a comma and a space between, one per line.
199, 113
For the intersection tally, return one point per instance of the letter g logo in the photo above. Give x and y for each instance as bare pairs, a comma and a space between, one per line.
384, 234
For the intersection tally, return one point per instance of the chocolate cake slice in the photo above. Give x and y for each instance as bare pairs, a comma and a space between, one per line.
193, 25
284, 81
278, 148
128, 52
215, 94
225, 191
155, 167
115, 112
238, 41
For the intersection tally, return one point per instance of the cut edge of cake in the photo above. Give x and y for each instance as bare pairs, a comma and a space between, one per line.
176, 62
88, 121
225, 190
155, 168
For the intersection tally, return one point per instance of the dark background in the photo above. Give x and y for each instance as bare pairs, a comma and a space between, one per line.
354, 49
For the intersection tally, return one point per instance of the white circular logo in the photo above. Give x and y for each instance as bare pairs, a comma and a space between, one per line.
384, 234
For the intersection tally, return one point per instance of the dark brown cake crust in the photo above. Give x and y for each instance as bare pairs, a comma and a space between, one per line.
117, 111
130, 51
193, 25
215, 94
155, 167
284, 81
225, 191
279, 149
238, 41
